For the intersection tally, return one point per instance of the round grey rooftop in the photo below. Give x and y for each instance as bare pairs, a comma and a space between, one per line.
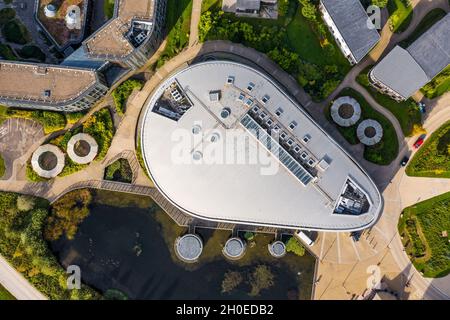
40, 152
189, 247
345, 121
369, 125
277, 249
82, 138
234, 248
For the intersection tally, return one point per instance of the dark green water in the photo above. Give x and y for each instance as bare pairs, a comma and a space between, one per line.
123, 248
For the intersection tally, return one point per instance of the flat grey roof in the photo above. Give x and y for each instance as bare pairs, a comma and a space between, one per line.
261, 192
248, 4
400, 72
353, 23
432, 49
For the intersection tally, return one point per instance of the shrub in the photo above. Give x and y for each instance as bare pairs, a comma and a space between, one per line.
100, 126
122, 93
2, 166
294, 246
14, 31
51, 121
25, 203
120, 171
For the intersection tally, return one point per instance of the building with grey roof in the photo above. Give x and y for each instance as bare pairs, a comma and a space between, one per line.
248, 154
252, 8
352, 28
404, 71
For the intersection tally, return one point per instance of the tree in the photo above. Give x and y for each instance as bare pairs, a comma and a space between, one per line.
25, 203
231, 281
294, 246
66, 215
309, 11
260, 279
380, 3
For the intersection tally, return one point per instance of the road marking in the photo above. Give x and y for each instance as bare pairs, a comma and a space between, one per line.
322, 245
338, 247
356, 250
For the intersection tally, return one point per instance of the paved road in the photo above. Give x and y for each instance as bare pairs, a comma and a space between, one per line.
16, 284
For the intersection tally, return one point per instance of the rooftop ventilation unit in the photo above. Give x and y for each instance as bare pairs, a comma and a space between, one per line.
241, 97
311, 162
176, 95
297, 149
304, 156
230, 80
269, 122
214, 95
47, 93
324, 164
290, 142
255, 109
283, 135
249, 102
250, 86
265, 99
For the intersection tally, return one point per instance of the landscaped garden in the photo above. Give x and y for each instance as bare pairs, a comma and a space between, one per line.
433, 158
438, 86
51, 121
14, 31
121, 94
22, 221
298, 41
406, 112
424, 229
119, 171
2, 167
400, 15
178, 22
382, 153
108, 8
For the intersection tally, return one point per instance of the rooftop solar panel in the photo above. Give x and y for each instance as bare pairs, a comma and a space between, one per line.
272, 145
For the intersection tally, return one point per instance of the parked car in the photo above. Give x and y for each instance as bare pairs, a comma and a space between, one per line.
404, 161
419, 142
422, 107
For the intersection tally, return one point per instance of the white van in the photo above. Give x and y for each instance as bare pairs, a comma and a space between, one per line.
304, 238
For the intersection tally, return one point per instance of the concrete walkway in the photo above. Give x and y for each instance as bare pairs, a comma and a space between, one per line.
195, 20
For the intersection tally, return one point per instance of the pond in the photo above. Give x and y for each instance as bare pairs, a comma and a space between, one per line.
126, 244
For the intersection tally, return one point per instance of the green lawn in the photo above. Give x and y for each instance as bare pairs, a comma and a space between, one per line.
122, 93
300, 46
421, 228
384, 152
2, 166
433, 158
108, 8
5, 295
178, 25
400, 15
406, 112
427, 22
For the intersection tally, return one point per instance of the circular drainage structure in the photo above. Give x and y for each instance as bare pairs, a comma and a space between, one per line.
277, 249
234, 248
189, 247
82, 148
369, 132
48, 161
345, 111
225, 113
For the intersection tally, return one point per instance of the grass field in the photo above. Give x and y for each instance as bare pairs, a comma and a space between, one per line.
400, 15
439, 85
406, 112
5, 295
178, 23
421, 227
433, 158
384, 152
108, 8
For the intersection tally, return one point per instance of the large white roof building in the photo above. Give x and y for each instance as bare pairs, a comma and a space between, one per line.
206, 144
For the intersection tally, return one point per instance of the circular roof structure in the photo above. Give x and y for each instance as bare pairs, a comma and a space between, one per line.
234, 248
223, 170
345, 111
277, 249
82, 148
189, 247
369, 132
48, 161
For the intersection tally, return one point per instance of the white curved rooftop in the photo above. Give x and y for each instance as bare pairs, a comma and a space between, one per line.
263, 192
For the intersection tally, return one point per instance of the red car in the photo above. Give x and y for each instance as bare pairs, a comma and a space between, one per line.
419, 142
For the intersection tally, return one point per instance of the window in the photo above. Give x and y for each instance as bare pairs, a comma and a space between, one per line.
250, 86
263, 115
276, 128
306, 138
292, 125
279, 112
265, 99
311, 162
269, 122
297, 149
290, 142
283, 135
304, 156
255, 109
